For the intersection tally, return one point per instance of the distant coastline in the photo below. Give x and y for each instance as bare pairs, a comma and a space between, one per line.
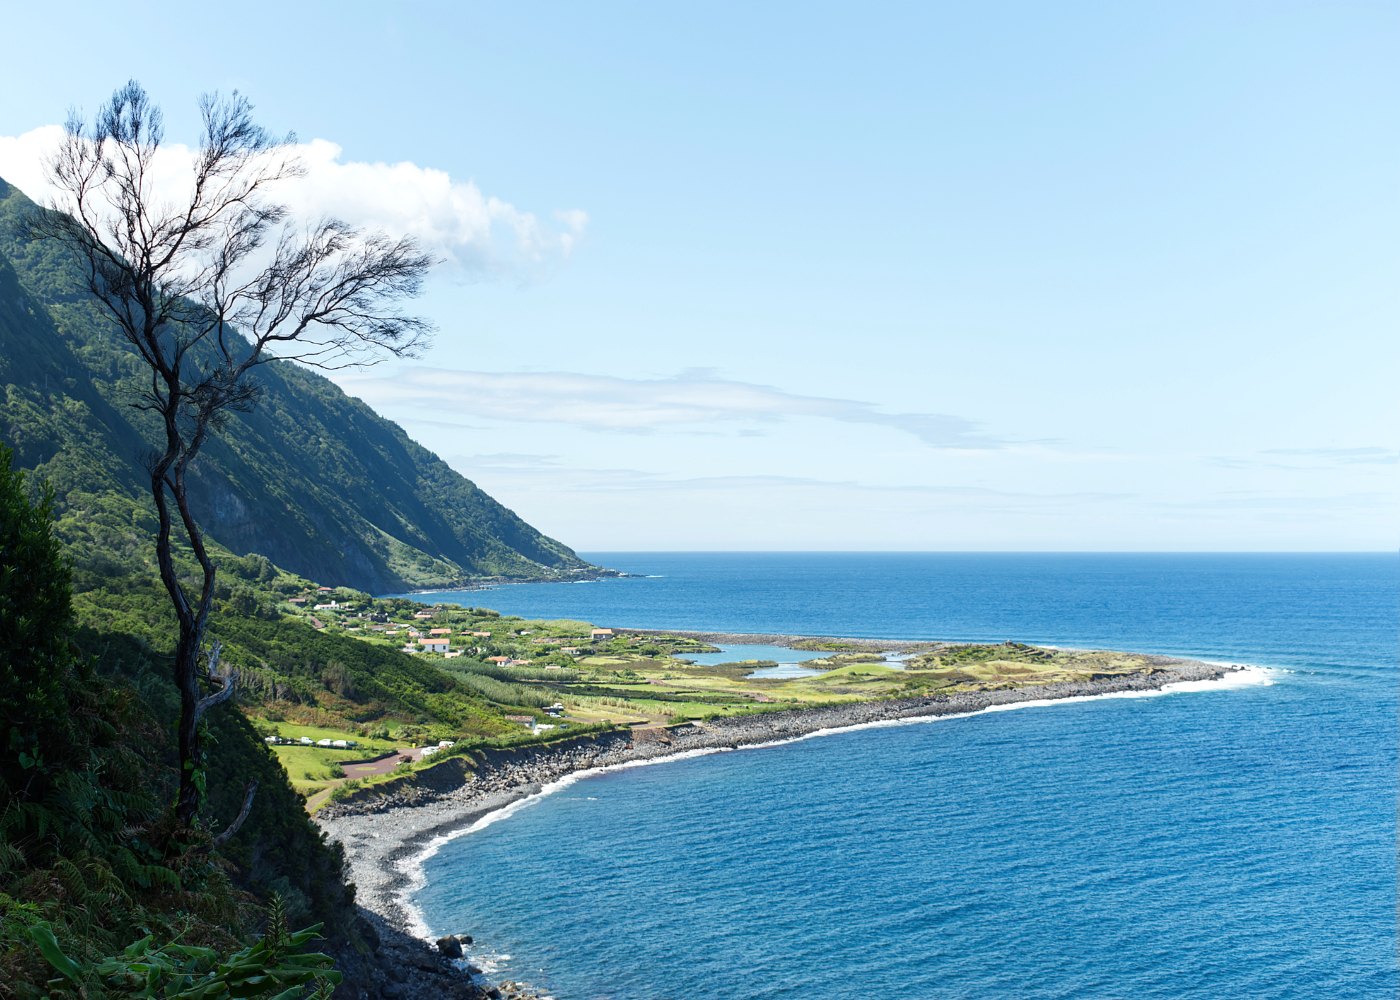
387, 830
590, 575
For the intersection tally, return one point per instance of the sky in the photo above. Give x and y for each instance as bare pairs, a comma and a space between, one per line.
924, 276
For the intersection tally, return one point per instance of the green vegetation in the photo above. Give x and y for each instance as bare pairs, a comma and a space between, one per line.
276, 965
308, 464
327, 490
87, 861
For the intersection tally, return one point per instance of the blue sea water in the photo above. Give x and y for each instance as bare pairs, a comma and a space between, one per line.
739, 652
1230, 843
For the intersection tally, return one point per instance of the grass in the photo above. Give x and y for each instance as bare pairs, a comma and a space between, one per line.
313, 769
664, 689
643, 680
292, 731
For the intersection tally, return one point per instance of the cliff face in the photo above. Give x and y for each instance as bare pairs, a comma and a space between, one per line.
311, 478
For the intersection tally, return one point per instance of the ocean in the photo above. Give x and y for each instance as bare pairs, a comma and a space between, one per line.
1231, 842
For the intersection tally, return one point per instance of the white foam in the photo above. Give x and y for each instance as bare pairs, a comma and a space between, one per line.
413, 867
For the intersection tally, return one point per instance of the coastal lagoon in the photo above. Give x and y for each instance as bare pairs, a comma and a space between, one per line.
787, 662
1232, 840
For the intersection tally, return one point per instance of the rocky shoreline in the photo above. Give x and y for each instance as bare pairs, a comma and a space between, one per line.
384, 827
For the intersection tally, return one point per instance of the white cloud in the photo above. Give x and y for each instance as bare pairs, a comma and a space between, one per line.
695, 399
478, 233
22, 159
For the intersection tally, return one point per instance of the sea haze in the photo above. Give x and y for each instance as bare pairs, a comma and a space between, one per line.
1231, 842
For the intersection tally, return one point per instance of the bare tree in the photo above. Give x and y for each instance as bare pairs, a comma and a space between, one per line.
207, 287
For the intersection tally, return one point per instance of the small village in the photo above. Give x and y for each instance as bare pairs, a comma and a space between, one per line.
504, 658
535, 681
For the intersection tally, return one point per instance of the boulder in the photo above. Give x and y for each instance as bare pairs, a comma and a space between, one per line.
449, 946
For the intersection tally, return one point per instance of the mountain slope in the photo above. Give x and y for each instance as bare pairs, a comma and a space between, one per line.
311, 478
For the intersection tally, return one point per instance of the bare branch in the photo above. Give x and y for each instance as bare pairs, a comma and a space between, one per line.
205, 290
248, 793
225, 677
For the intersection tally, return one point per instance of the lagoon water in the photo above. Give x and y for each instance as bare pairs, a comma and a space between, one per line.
1228, 843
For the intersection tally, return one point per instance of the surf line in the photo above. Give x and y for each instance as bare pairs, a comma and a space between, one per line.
413, 866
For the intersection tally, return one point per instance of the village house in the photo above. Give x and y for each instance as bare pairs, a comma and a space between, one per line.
434, 644
422, 615
439, 631
481, 635
599, 634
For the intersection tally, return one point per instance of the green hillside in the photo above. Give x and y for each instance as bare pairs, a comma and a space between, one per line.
311, 478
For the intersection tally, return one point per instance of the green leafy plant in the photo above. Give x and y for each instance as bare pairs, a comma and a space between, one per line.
276, 966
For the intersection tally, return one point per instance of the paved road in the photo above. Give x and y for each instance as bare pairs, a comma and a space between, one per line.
383, 766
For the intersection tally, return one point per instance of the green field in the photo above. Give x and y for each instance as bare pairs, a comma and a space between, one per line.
292, 731
500, 684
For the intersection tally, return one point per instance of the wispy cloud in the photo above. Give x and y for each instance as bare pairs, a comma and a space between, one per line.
1310, 458
550, 472
1344, 456
1233, 502
478, 234
696, 399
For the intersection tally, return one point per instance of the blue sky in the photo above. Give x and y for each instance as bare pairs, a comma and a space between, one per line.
1096, 276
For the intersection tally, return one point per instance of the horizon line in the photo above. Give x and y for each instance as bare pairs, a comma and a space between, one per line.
999, 552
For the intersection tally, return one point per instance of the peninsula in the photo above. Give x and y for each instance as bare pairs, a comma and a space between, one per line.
386, 828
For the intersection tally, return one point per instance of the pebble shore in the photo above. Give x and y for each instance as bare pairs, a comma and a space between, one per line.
385, 827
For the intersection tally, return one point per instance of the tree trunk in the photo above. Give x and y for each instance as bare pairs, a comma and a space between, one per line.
193, 621
187, 681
